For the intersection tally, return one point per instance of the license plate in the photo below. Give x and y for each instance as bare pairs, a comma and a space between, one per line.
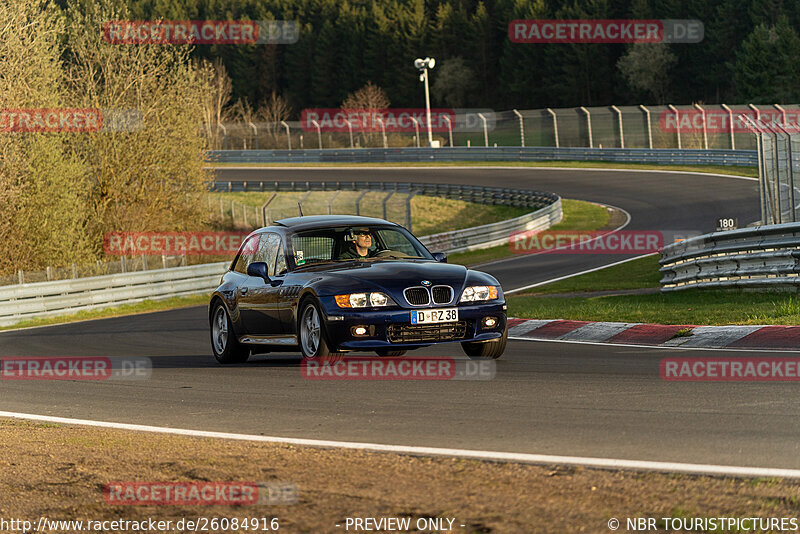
445, 315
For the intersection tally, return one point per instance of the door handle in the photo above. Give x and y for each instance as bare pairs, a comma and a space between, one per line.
244, 290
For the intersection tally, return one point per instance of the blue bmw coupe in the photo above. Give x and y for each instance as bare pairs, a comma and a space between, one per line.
328, 285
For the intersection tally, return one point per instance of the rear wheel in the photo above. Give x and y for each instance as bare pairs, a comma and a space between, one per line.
386, 352
313, 343
486, 350
226, 347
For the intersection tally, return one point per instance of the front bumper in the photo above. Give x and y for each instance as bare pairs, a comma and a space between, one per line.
391, 328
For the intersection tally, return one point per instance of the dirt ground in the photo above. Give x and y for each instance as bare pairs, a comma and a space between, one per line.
61, 471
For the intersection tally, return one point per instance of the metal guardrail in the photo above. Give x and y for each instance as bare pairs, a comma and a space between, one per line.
668, 156
756, 257
468, 193
45, 299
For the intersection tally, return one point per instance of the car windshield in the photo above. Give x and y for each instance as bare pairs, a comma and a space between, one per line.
348, 243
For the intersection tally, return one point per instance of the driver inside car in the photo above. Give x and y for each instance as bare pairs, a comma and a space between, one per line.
360, 241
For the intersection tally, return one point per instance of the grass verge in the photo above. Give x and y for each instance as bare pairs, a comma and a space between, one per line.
63, 479
693, 306
578, 215
429, 215
714, 169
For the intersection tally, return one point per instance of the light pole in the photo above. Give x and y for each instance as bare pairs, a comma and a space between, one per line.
423, 65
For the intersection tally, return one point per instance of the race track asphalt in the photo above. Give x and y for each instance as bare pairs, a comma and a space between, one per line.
546, 397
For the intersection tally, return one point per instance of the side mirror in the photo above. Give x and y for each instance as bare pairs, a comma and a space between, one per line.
259, 270
441, 257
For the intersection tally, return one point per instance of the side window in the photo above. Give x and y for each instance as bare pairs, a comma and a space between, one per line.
280, 260
247, 254
267, 250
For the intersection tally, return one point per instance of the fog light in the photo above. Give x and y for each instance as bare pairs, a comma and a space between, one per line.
489, 322
359, 330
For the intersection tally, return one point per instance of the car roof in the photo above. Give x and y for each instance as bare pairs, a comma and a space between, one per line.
322, 221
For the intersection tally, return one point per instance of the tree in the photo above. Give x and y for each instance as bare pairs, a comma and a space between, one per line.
646, 67
454, 82
767, 69
369, 101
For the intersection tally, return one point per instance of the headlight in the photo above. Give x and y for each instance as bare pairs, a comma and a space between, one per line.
362, 300
477, 293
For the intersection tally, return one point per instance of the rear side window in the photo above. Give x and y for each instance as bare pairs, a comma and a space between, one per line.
308, 248
247, 254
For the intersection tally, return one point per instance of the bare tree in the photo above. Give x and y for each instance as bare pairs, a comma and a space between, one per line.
272, 111
368, 102
215, 77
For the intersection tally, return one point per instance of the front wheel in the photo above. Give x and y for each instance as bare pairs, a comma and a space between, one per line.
313, 344
226, 347
486, 350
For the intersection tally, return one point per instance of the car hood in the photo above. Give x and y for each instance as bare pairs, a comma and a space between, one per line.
392, 277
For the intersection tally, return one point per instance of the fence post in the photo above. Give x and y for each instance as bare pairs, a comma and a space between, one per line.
244, 214
589, 125
705, 130
288, 134
123, 264
21, 276
677, 124
385, 200
485, 131
649, 126
621, 132
331, 199
358, 202
555, 124
416, 127
49, 273
255, 134
408, 210
449, 128
319, 133
350, 129
74, 271
730, 122
264, 210
233, 214
789, 169
521, 128
144, 262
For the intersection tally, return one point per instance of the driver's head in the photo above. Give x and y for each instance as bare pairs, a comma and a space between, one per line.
363, 237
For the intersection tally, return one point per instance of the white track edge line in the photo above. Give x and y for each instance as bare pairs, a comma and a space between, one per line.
593, 269
642, 346
514, 257
603, 463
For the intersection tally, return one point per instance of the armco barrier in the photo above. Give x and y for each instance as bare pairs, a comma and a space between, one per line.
665, 156
44, 299
755, 257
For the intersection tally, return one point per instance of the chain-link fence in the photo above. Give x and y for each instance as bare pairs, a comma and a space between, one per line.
689, 126
778, 164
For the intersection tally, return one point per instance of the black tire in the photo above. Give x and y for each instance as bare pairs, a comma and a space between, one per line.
224, 345
390, 353
486, 350
314, 346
